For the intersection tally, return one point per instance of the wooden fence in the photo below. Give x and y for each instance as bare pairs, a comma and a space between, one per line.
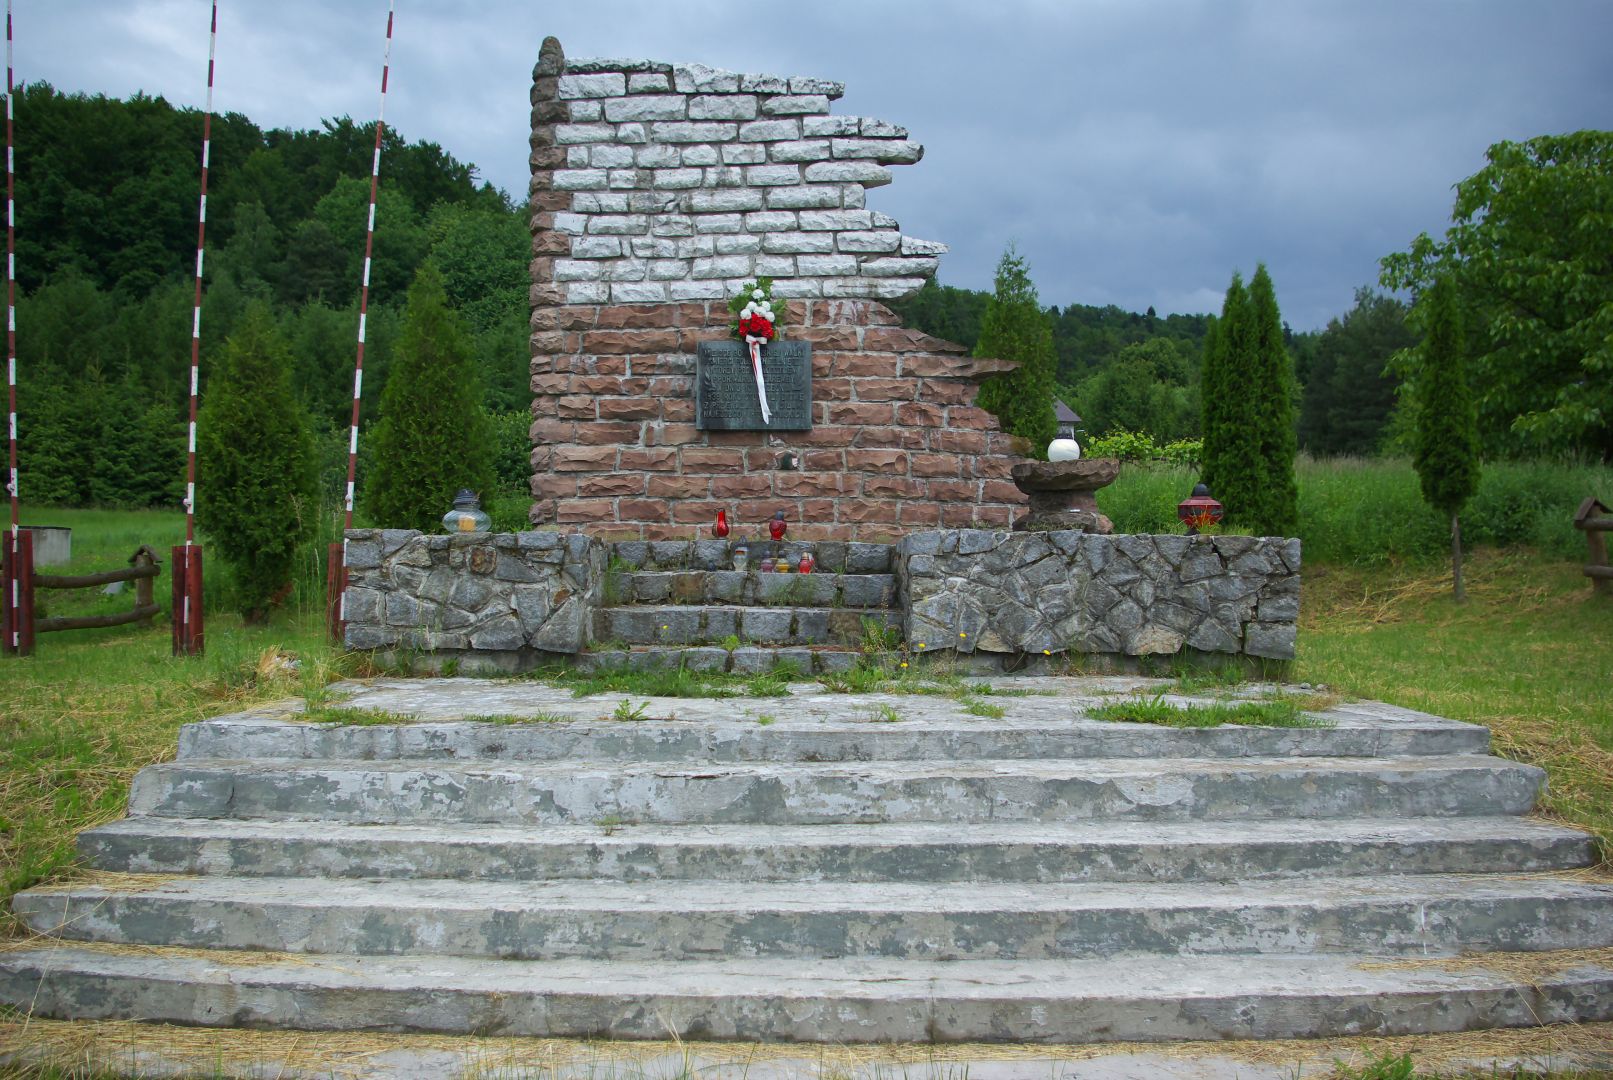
21, 625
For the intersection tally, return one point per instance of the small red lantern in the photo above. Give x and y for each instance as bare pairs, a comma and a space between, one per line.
777, 527
1199, 510
720, 530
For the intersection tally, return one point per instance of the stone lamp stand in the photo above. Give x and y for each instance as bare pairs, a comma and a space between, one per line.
1061, 494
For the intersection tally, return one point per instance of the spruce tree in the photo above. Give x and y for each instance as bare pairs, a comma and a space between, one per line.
1229, 467
255, 492
1447, 441
1272, 439
1015, 327
433, 437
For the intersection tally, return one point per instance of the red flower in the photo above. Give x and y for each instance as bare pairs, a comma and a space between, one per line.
756, 326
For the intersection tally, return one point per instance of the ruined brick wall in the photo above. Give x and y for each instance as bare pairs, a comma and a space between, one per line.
657, 191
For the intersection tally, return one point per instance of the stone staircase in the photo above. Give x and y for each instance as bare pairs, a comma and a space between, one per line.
826, 867
681, 602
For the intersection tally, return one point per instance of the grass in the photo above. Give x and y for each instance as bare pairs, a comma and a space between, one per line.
1279, 712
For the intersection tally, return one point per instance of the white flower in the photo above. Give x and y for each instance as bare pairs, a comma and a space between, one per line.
756, 294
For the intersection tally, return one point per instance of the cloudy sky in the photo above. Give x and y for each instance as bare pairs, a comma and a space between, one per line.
1137, 151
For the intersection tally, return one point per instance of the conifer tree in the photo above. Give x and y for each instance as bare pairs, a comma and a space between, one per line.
1273, 438
255, 489
1447, 440
1229, 416
1015, 327
433, 437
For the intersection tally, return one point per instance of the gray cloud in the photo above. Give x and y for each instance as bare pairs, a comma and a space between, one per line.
1138, 151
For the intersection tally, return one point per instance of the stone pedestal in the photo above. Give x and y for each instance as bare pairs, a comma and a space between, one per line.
1061, 494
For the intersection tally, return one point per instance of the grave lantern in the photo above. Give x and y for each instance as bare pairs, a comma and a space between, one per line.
467, 515
1198, 510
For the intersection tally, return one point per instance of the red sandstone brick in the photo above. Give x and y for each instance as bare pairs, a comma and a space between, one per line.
673, 486
575, 407
678, 410
643, 510
947, 391
920, 414
693, 313
918, 513
608, 384
666, 386
929, 365
552, 384
544, 318
890, 462
826, 435
824, 459
954, 491
611, 484
541, 458
613, 342
1000, 491
796, 313
542, 512
694, 511
607, 433
857, 412
866, 365
629, 408
607, 365
549, 242
746, 486
650, 459
993, 468
892, 487
584, 458
712, 460
737, 438
885, 389
554, 486
803, 483
901, 437
936, 465
670, 365
1002, 443
551, 431
637, 317
864, 511
960, 442
831, 389
827, 337
584, 511
689, 339
578, 317
672, 435
545, 407
967, 416
822, 366
957, 515
994, 516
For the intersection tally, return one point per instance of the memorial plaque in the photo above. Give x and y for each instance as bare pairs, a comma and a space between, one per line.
725, 387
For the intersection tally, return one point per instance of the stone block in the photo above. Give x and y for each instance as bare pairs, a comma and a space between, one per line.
1275, 641
722, 107
612, 84
646, 107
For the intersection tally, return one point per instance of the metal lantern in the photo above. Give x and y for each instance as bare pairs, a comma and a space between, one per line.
1198, 510
467, 515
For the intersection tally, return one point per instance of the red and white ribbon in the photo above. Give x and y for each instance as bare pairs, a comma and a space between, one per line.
756, 344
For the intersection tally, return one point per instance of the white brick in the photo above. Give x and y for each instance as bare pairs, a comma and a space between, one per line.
574, 224
654, 247
816, 126
719, 223
678, 179
669, 269
646, 107
794, 243
853, 196
596, 247
880, 129
568, 134
696, 290
899, 267
804, 198
626, 270
648, 83
578, 270
692, 132
656, 156
577, 157
836, 219
725, 176
700, 154
797, 288
884, 221
866, 173
825, 265
869, 243
806, 150
769, 222
643, 292
697, 247
700, 79
772, 175
775, 266
770, 130
628, 179
619, 224
910, 246
743, 154
592, 86
800, 85
723, 266
610, 155
653, 202
723, 107
588, 202
672, 225
764, 84
725, 201
587, 292
795, 104
585, 112
741, 244
579, 179
631, 134
886, 151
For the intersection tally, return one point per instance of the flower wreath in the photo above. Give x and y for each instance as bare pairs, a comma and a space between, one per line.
756, 323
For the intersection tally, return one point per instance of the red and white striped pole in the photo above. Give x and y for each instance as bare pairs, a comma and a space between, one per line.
187, 560
336, 565
16, 620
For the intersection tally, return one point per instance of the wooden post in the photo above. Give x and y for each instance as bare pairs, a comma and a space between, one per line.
1592, 519
142, 559
17, 577
187, 600
335, 591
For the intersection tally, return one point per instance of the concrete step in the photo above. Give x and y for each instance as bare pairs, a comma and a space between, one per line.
806, 660
554, 920
582, 791
809, 728
1151, 999
1106, 851
754, 587
832, 556
691, 625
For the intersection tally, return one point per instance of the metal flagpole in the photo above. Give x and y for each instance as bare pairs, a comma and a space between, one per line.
187, 560
336, 567
16, 621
